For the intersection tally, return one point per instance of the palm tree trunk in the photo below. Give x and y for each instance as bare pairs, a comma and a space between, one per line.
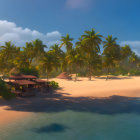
107, 73
89, 73
76, 74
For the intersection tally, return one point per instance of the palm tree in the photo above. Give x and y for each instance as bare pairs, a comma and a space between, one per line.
90, 45
8, 54
111, 53
133, 58
29, 52
67, 42
56, 49
8, 49
125, 51
39, 47
34, 50
48, 63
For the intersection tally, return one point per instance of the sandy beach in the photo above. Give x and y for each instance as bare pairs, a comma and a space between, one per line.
7, 116
70, 92
99, 87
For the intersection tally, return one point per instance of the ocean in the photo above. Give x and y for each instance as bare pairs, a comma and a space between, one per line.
73, 125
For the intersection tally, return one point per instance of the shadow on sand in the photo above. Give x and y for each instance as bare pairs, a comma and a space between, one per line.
58, 102
115, 78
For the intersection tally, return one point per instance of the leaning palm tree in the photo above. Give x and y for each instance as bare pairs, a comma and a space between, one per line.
90, 45
67, 42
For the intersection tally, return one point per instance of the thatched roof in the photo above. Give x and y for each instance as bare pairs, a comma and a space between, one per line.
40, 81
20, 77
64, 75
23, 82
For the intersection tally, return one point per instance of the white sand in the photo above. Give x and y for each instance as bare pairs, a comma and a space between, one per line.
101, 87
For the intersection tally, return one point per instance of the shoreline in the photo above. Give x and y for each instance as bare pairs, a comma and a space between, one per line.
8, 116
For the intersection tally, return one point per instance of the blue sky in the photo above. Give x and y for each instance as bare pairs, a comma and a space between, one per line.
24, 20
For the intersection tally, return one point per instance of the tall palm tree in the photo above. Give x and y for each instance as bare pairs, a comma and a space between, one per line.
34, 50
67, 42
48, 63
56, 49
39, 47
111, 53
91, 46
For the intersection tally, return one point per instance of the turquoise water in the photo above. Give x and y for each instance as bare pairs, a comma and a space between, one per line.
71, 125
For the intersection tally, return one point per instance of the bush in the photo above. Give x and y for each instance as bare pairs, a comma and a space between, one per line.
29, 71
4, 91
135, 72
54, 84
8, 95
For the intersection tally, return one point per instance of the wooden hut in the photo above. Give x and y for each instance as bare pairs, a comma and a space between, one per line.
23, 86
26, 84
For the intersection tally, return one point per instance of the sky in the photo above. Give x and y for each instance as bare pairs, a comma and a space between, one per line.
48, 20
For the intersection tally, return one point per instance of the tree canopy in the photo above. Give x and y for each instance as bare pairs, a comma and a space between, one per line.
83, 57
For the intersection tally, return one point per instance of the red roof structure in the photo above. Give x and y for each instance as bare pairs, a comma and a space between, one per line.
23, 82
20, 77
40, 81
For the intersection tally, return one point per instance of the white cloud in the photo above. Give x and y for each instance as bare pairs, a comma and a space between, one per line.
78, 3
9, 31
135, 45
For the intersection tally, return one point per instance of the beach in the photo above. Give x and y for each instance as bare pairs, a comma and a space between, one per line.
7, 116
99, 87
67, 96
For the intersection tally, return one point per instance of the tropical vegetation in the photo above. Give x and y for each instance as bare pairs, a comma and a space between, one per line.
91, 55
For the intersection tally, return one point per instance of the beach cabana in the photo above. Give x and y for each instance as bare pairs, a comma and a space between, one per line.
23, 82
23, 85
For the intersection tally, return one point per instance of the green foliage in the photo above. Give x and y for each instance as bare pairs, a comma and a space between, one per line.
125, 51
121, 71
4, 91
85, 58
135, 72
54, 84
66, 41
29, 71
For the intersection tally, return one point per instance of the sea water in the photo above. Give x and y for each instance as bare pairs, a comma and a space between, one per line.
71, 125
